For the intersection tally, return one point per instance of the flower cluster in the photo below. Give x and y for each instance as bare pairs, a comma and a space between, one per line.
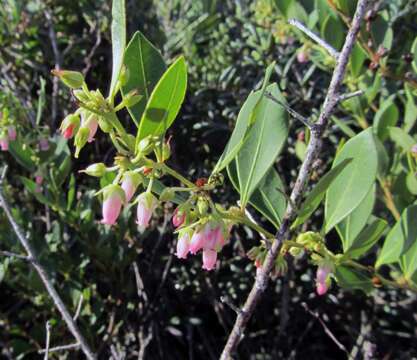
7, 130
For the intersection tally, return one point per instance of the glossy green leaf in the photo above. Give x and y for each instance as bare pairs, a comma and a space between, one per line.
410, 111
333, 31
366, 238
145, 66
23, 154
401, 138
408, 263
353, 279
118, 37
354, 182
316, 195
165, 101
263, 143
401, 237
350, 227
244, 120
386, 116
268, 198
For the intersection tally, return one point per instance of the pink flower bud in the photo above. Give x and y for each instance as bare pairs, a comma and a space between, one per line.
39, 179
146, 206
112, 204
178, 218
68, 132
183, 245
12, 133
4, 143
322, 273
130, 183
322, 288
198, 240
302, 57
43, 144
209, 259
92, 125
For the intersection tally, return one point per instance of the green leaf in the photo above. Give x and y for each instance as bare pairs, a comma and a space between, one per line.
165, 101
118, 38
414, 53
366, 238
263, 143
244, 119
352, 279
386, 116
23, 154
71, 192
350, 227
401, 138
333, 31
357, 60
354, 182
400, 238
316, 195
268, 198
408, 263
410, 112
145, 66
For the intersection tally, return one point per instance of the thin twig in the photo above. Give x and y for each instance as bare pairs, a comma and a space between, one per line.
326, 329
330, 49
14, 255
144, 342
226, 300
48, 338
79, 306
59, 304
74, 346
312, 153
347, 96
292, 112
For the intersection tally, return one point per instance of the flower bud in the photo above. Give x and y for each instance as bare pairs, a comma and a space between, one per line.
323, 279
70, 125
43, 145
209, 259
302, 57
81, 139
81, 95
11, 130
131, 181
97, 170
113, 197
202, 205
166, 151
178, 217
39, 179
414, 150
72, 79
183, 244
92, 124
147, 203
132, 98
296, 252
4, 142
145, 146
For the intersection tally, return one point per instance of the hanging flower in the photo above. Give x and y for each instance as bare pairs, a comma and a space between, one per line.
131, 181
4, 142
323, 279
178, 218
209, 259
147, 203
69, 125
183, 244
113, 197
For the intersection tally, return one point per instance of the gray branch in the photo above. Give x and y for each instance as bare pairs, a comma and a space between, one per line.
312, 154
330, 49
59, 304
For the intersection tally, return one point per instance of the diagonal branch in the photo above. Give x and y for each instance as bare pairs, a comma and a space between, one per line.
312, 153
45, 277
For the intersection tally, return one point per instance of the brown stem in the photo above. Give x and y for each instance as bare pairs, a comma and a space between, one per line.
389, 200
313, 152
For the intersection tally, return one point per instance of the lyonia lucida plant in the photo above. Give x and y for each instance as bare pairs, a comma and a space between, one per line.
153, 93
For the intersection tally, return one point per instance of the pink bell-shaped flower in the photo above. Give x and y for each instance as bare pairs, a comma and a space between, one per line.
4, 143
323, 279
178, 217
11, 131
113, 197
199, 239
209, 259
92, 125
147, 203
131, 181
69, 126
183, 244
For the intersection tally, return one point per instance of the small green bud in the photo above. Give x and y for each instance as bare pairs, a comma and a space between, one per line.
72, 79
97, 170
81, 95
296, 252
132, 98
202, 205
166, 151
145, 146
81, 139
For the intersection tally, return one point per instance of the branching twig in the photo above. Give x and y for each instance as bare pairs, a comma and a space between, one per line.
326, 329
14, 255
45, 278
48, 338
74, 346
330, 49
312, 153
